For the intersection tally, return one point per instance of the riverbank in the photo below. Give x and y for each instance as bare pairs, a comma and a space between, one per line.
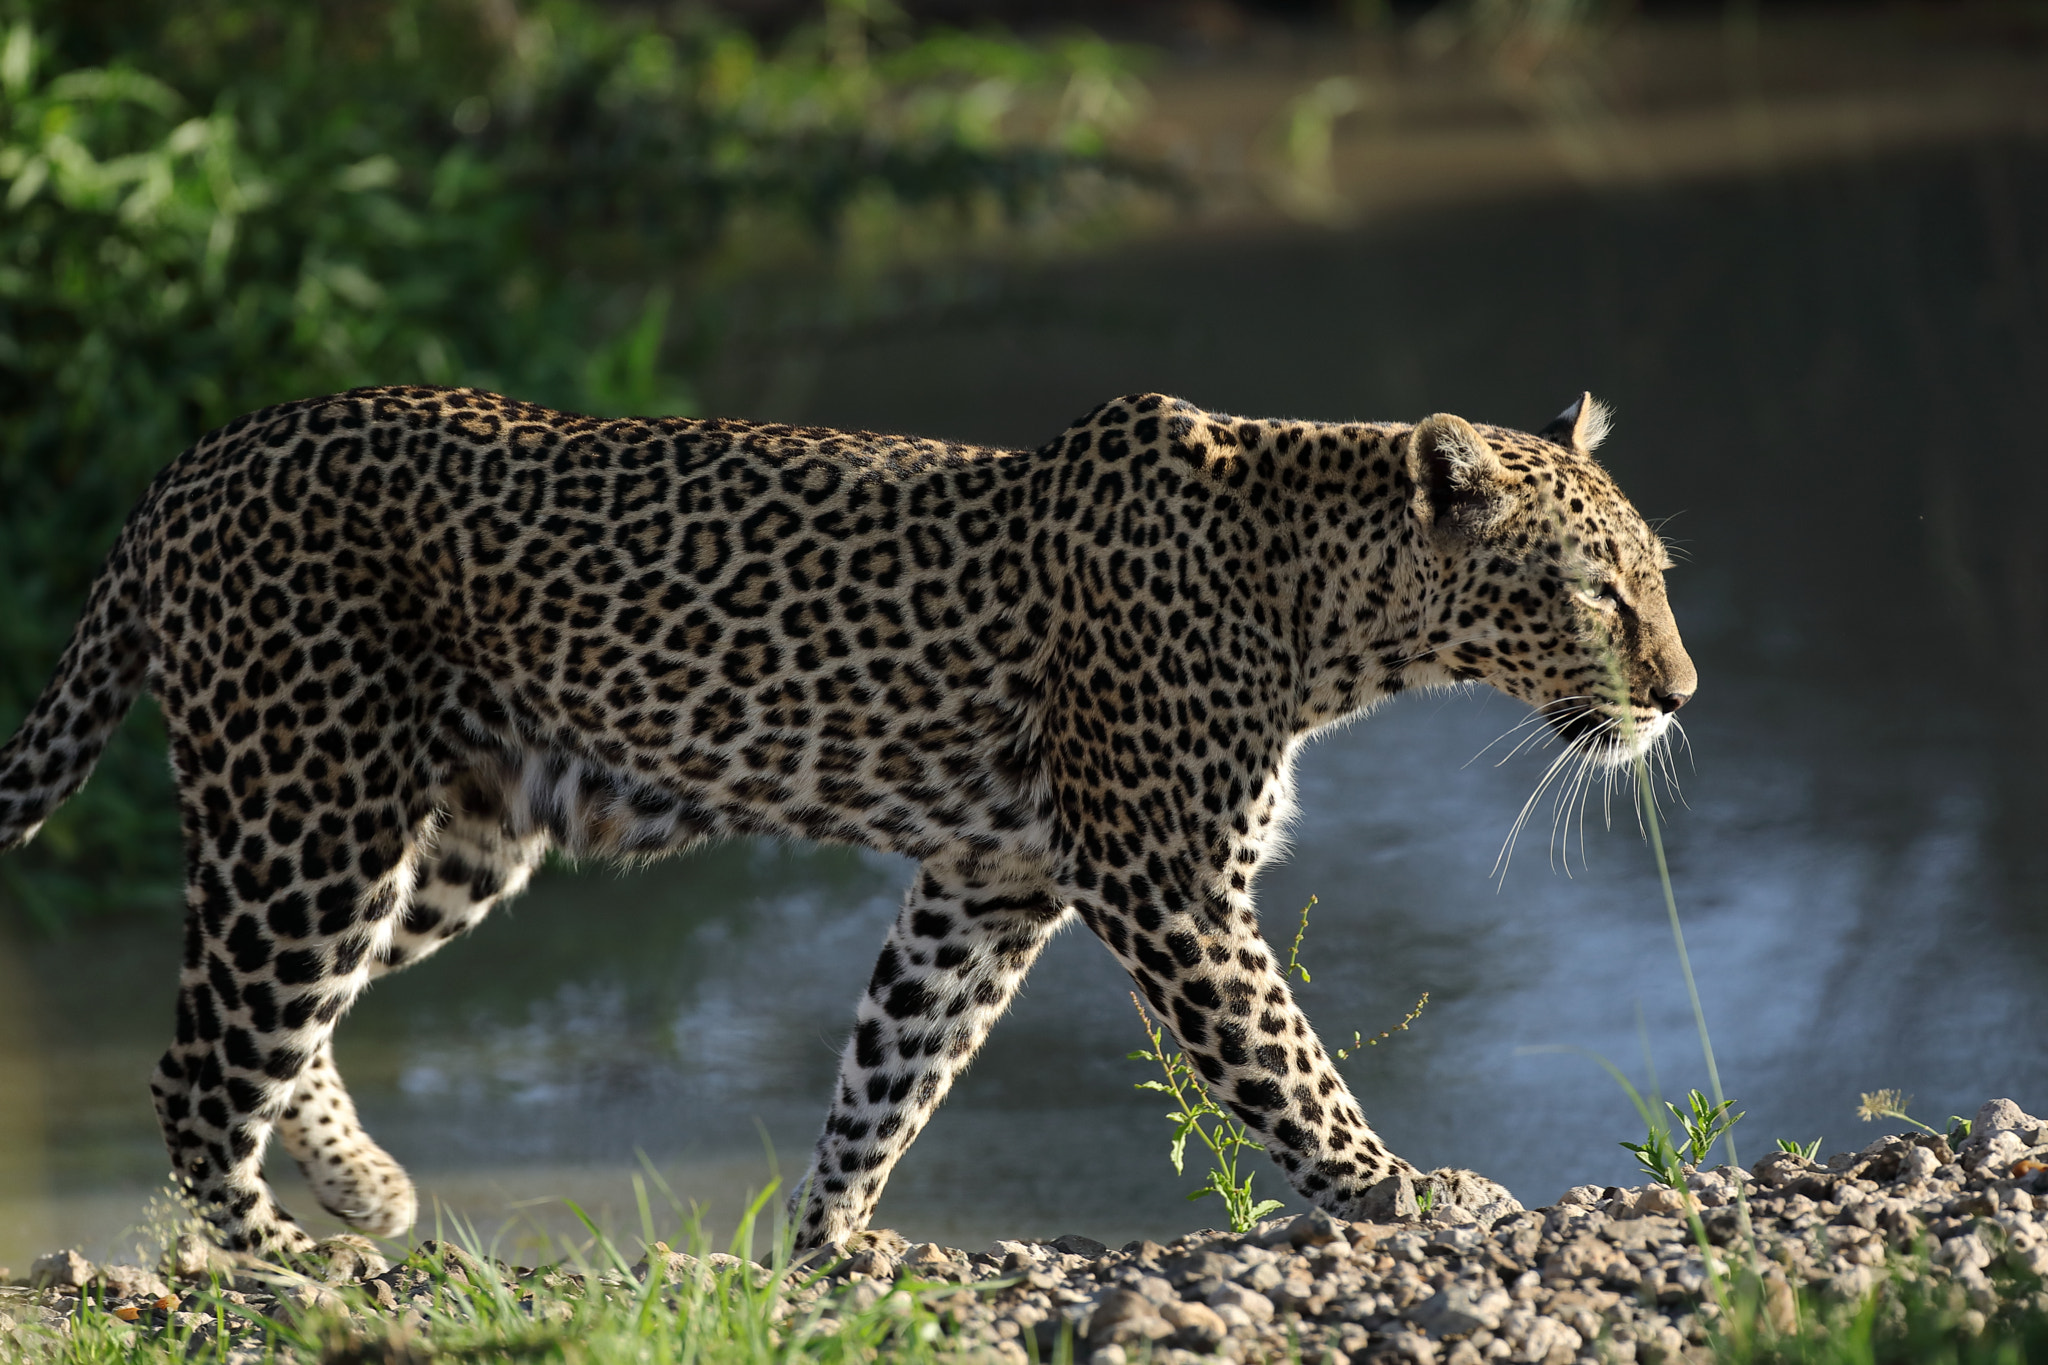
1941, 1239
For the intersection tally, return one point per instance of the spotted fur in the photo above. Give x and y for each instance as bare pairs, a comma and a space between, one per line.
407, 639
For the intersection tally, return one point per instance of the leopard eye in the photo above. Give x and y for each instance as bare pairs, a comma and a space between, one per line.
1605, 595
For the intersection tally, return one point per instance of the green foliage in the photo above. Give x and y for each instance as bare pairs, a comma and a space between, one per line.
221, 204
1891, 1104
1359, 1042
1703, 1123
593, 1308
1809, 1150
1908, 1315
1195, 1114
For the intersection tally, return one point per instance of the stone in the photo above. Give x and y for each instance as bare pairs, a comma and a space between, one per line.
1579, 1196
1548, 1340
1404, 1348
1392, 1200
2001, 1116
1127, 1317
1783, 1168
130, 1282
1261, 1277
1154, 1289
1994, 1154
1198, 1266
1250, 1302
313, 1298
1236, 1318
1074, 1244
1455, 1311
60, 1270
1655, 1201
1314, 1229
1108, 1355
1917, 1164
1197, 1327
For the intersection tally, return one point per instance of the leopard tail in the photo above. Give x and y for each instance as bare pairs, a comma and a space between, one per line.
102, 670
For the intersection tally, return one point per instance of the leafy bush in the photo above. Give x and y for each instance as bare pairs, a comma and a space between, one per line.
220, 204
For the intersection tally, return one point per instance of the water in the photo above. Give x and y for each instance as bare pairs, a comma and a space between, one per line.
1834, 383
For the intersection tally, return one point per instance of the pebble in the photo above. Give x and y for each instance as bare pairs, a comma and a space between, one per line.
1602, 1274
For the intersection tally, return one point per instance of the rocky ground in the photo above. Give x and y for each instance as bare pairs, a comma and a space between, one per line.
1601, 1275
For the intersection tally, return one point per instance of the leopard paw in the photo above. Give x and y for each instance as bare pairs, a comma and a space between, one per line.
1444, 1196
1466, 1196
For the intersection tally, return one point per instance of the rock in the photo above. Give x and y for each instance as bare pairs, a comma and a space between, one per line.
1579, 1197
1996, 1153
1404, 1348
1197, 1327
313, 1298
1455, 1311
1154, 1289
1655, 1200
60, 1270
1074, 1244
1315, 1228
1917, 1164
1782, 1168
2002, 1116
1108, 1355
1392, 1200
930, 1261
1250, 1302
1127, 1317
1964, 1251
130, 1282
1547, 1339
1199, 1266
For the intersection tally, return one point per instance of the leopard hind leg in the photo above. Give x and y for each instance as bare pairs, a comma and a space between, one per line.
474, 862
478, 860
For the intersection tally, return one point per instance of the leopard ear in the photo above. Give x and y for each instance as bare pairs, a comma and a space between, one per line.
1582, 426
1454, 469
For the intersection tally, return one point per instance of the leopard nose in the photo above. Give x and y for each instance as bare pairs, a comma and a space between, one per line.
1668, 702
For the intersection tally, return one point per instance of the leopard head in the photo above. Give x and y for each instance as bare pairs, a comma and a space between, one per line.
1541, 579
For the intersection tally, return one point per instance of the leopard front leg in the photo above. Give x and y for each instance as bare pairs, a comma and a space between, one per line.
960, 946
1210, 977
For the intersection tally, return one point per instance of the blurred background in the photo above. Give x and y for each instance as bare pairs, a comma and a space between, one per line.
1802, 249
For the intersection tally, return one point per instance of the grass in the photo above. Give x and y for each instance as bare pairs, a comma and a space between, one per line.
592, 1306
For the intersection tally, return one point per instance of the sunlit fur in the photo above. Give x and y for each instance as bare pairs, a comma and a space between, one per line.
407, 640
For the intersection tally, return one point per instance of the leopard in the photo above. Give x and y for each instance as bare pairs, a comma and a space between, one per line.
407, 640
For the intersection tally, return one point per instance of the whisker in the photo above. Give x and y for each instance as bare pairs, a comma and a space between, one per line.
1567, 797
1507, 849
1539, 715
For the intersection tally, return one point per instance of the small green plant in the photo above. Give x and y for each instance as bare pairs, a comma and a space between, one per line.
1359, 1042
1703, 1122
1294, 967
1809, 1150
1657, 1157
1195, 1114
1891, 1104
